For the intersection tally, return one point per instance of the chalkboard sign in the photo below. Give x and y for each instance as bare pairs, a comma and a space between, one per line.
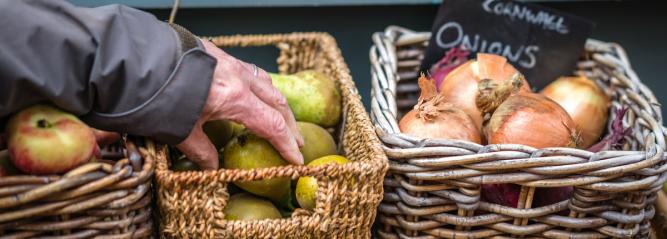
541, 43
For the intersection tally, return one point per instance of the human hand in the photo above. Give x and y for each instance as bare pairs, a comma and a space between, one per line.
242, 93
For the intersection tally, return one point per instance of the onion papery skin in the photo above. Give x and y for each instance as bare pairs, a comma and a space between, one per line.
533, 120
451, 123
585, 102
461, 86
433, 118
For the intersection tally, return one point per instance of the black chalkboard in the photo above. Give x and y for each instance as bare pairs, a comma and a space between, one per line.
541, 43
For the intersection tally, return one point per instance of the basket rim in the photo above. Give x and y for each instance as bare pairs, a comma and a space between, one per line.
454, 171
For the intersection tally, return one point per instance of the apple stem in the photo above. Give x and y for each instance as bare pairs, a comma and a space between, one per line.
42, 123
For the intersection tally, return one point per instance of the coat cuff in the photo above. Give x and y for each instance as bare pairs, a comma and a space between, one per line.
170, 114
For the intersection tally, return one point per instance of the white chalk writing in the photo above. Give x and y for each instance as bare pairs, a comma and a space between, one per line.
514, 11
451, 35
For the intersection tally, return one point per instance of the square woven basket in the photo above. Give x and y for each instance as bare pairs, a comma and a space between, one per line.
191, 203
108, 198
432, 189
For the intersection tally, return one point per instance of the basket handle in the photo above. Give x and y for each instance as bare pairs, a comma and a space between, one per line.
174, 9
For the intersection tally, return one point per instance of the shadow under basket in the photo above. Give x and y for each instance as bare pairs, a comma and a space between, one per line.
191, 203
108, 198
432, 188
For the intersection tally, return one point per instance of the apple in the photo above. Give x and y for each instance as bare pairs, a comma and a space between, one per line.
44, 140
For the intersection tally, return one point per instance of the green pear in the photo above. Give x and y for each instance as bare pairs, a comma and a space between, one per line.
219, 132
248, 151
244, 206
306, 187
312, 96
183, 164
236, 128
317, 142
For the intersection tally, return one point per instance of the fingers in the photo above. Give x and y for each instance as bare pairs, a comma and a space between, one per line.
237, 94
199, 149
263, 88
269, 124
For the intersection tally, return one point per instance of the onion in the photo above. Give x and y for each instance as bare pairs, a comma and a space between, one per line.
615, 139
460, 87
528, 119
548, 196
433, 118
452, 59
502, 194
533, 120
585, 102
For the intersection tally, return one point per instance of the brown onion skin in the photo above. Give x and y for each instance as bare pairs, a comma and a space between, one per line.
451, 123
585, 102
533, 120
460, 87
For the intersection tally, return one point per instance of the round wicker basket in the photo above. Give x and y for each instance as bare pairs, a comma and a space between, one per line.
432, 189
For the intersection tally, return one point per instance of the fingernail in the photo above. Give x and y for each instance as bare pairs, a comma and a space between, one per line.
300, 141
299, 157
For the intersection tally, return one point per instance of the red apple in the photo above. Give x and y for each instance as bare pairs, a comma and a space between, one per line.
44, 140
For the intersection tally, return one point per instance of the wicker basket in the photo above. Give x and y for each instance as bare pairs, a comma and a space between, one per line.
432, 189
110, 198
191, 203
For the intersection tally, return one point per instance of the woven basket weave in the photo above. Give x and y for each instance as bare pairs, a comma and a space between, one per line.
191, 203
110, 198
432, 189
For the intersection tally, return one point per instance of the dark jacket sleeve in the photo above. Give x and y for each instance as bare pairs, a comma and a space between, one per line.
117, 68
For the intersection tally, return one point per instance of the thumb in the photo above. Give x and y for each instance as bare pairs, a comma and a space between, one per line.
199, 149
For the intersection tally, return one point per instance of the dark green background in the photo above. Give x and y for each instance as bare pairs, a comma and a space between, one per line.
639, 26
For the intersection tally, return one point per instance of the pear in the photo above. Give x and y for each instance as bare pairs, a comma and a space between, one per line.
312, 96
236, 128
317, 142
244, 206
219, 132
306, 187
183, 164
248, 151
